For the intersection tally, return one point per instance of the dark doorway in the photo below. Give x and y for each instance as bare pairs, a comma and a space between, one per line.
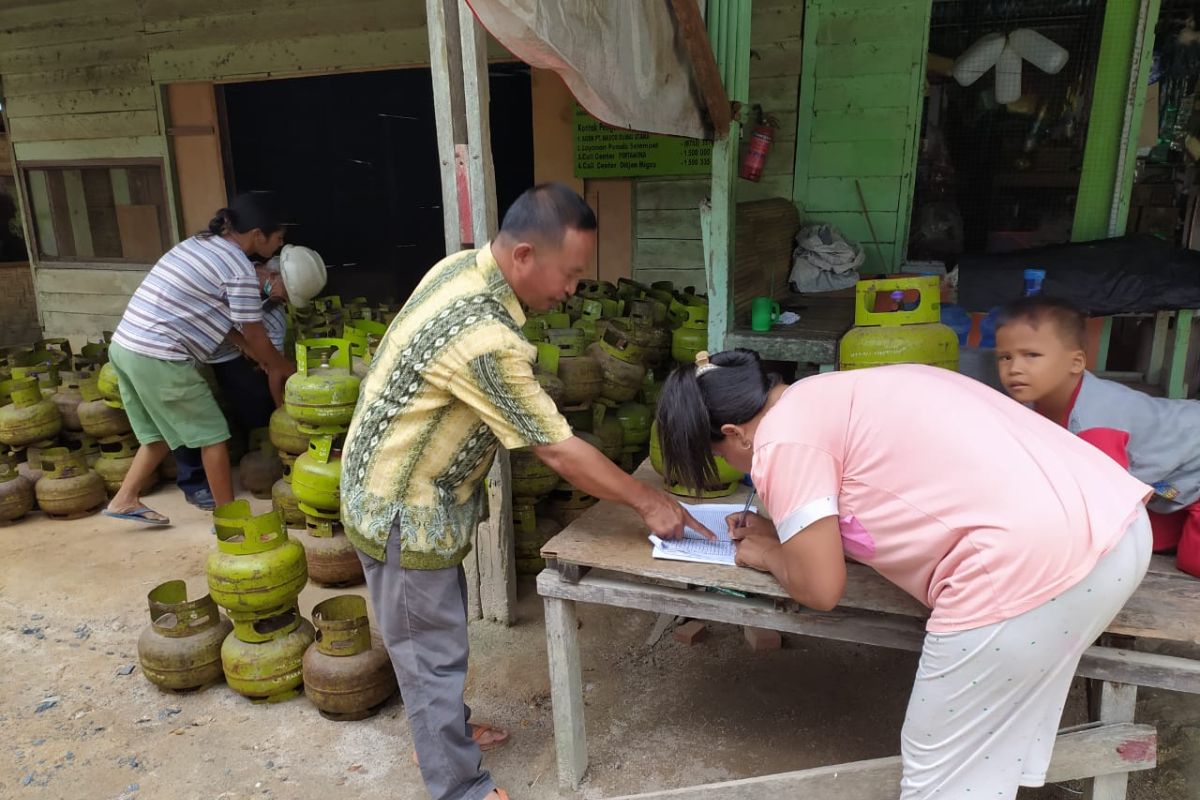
355, 156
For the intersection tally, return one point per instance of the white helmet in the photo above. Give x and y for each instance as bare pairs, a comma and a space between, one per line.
303, 272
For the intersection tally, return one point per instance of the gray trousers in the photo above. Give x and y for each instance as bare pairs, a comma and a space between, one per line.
422, 616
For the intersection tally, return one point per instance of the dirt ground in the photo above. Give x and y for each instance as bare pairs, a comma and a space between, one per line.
72, 726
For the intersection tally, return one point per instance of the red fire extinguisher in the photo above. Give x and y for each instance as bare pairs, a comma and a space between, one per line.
760, 145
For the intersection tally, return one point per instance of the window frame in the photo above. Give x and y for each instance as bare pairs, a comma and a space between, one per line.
23, 170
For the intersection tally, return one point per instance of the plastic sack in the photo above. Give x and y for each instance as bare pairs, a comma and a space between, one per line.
824, 260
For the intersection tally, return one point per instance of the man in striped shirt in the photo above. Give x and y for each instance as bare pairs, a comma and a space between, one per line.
242, 383
185, 308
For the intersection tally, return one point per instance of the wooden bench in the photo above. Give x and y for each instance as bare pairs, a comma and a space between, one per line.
604, 558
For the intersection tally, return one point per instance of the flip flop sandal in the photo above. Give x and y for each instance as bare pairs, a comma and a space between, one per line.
138, 514
478, 731
503, 794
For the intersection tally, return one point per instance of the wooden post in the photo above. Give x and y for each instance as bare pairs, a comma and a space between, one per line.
1177, 385
1117, 704
446, 65
566, 691
1121, 53
496, 545
728, 24
1158, 347
471, 572
481, 170
496, 542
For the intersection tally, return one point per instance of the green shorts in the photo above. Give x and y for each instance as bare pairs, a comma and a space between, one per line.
167, 401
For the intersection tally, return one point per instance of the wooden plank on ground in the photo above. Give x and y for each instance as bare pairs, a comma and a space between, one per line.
1077, 754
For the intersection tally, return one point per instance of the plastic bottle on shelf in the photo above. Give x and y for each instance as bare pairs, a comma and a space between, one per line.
1033, 281
987, 327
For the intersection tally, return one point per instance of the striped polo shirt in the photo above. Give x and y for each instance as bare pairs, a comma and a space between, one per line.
190, 300
274, 320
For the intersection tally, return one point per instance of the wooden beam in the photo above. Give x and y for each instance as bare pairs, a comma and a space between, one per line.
1077, 754
445, 59
846, 625
482, 171
704, 66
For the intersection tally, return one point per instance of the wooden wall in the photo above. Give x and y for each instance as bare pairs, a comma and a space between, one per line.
82, 79
667, 222
860, 115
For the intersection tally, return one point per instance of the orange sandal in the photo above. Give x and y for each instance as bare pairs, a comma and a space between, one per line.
478, 731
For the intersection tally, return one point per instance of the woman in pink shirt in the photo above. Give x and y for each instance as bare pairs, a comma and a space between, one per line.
1023, 540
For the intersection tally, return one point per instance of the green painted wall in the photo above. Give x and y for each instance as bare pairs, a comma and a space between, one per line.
859, 119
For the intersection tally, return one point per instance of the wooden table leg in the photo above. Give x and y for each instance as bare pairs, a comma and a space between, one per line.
566, 690
1117, 704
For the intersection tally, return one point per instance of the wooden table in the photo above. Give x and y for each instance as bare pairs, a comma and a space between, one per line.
605, 558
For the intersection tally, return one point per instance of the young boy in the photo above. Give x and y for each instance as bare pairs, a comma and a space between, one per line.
1041, 360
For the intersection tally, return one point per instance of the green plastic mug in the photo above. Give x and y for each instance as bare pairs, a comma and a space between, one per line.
763, 312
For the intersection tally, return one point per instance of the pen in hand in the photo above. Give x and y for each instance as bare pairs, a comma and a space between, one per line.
746, 508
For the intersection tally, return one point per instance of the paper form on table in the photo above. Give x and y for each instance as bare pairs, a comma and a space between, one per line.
693, 546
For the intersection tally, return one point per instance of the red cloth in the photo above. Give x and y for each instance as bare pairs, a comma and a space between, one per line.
1181, 531
1112, 443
